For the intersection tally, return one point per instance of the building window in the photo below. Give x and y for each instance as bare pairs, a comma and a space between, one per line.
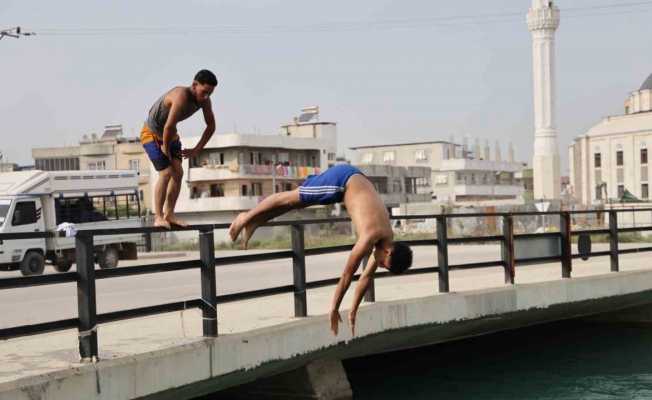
255, 158
410, 186
257, 189
621, 191
134, 165
420, 155
643, 156
368, 158
597, 160
288, 187
645, 191
619, 158
388, 157
99, 165
245, 190
381, 185
221, 158
141, 195
217, 190
598, 192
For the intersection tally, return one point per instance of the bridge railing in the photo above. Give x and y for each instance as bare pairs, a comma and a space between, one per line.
86, 275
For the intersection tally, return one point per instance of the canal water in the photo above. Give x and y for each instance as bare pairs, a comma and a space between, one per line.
559, 361
565, 360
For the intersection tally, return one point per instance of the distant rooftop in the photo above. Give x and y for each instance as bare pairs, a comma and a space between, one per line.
647, 84
112, 131
401, 144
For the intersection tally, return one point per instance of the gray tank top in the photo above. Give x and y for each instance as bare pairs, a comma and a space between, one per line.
158, 115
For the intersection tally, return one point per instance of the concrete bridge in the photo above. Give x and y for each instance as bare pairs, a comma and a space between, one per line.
168, 356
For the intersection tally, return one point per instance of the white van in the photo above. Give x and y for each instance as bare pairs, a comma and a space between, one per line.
39, 201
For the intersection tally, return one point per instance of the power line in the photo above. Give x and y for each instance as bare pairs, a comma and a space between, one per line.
349, 26
14, 33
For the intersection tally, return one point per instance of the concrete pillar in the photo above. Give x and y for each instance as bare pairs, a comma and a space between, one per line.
319, 380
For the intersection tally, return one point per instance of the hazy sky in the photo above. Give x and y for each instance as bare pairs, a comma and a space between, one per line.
385, 71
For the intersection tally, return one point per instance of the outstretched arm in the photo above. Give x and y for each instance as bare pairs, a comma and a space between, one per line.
360, 289
209, 118
361, 248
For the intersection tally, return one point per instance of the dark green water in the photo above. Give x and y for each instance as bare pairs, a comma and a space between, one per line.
568, 360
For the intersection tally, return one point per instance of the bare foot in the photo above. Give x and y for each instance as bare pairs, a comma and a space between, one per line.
236, 226
160, 222
173, 220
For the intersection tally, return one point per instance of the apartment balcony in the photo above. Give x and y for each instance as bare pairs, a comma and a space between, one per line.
462, 164
96, 149
394, 199
208, 204
218, 172
419, 197
488, 190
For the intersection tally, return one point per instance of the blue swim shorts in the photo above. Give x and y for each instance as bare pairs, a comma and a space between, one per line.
327, 187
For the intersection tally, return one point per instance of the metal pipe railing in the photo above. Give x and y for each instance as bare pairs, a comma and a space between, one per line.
86, 276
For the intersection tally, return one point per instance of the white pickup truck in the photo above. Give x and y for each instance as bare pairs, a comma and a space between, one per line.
40, 201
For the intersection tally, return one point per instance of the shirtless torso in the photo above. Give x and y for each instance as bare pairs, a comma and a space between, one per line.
367, 211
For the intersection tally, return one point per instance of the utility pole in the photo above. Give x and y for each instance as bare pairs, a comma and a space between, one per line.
14, 33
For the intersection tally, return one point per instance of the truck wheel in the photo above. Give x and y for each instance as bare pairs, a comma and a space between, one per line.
32, 264
62, 264
109, 258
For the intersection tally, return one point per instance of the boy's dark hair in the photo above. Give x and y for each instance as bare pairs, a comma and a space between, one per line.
401, 258
206, 77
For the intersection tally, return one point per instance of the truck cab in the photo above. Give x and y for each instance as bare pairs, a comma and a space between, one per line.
21, 215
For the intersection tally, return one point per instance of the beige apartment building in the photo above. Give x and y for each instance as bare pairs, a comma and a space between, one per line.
235, 171
458, 174
109, 151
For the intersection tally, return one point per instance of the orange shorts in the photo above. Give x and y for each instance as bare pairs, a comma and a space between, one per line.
152, 144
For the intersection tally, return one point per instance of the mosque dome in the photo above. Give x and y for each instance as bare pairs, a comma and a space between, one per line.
647, 85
